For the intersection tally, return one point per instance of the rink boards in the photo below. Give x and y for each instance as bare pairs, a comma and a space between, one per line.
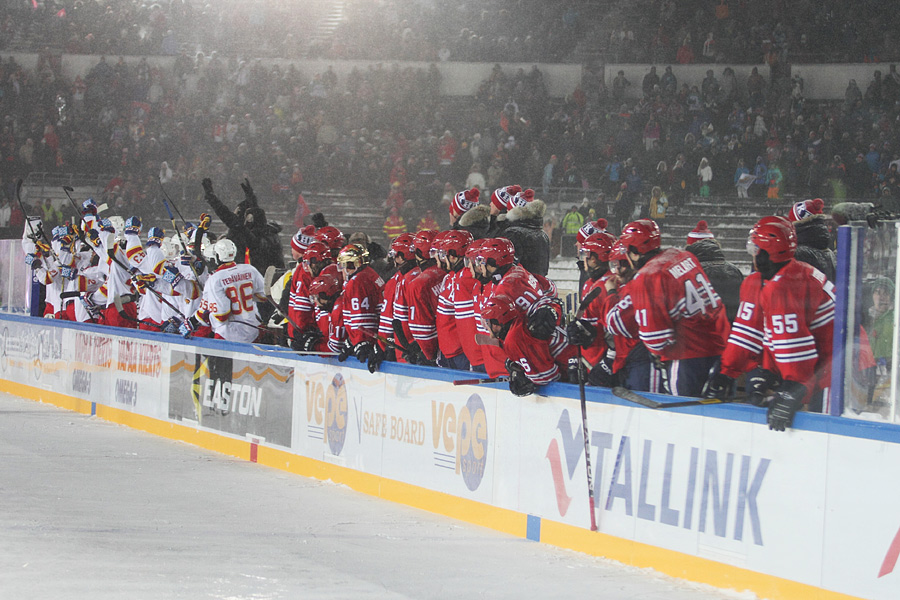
706, 493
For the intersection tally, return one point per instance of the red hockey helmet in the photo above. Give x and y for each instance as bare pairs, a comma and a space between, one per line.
642, 234
775, 235
326, 287
317, 251
500, 311
455, 243
332, 237
436, 244
497, 252
618, 255
423, 241
402, 246
598, 243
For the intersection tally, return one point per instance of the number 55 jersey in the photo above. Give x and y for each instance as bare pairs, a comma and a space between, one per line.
678, 313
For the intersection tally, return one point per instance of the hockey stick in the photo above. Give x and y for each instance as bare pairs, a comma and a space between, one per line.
300, 352
501, 379
172, 202
267, 289
178, 235
631, 396
584, 424
34, 235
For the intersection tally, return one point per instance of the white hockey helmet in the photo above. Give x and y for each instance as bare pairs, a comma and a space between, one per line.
169, 248
118, 224
224, 251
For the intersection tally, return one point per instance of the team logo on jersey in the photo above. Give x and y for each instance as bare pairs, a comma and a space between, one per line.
461, 439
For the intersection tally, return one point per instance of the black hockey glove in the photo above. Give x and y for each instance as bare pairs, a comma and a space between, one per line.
542, 322
519, 384
718, 386
602, 374
376, 357
581, 333
345, 352
362, 351
413, 354
761, 384
785, 404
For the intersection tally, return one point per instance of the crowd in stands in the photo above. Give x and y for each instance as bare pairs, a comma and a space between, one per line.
643, 31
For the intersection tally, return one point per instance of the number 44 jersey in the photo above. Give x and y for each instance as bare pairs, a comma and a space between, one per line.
678, 313
229, 298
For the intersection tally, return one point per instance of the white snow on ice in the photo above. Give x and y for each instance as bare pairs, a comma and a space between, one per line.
90, 510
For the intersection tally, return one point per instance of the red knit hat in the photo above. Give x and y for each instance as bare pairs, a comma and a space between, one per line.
521, 199
465, 201
303, 238
502, 196
700, 232
806, 208
590, 228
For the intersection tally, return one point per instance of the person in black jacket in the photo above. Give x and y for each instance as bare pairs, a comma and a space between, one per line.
724, 276
814, 243
525, 229
248, 228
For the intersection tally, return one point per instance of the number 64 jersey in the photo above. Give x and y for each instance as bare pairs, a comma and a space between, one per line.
678, 313
229, 302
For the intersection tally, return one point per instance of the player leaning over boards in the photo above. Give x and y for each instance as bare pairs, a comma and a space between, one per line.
784, 324
229, 299
680, 318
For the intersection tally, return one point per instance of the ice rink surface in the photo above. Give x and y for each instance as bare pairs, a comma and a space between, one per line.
94, 510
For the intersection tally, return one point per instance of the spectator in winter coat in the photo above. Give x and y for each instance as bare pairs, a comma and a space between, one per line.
814, 236
248, 228
525, 229
724, 277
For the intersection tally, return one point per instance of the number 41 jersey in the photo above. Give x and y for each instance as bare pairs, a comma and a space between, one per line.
678, 313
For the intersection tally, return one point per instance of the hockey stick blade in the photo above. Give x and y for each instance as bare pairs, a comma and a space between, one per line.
481, 381
485, 340
631, 396
268, 279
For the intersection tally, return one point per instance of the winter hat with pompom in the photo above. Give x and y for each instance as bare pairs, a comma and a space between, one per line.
806, 208
464, 201
590, 228
700, 232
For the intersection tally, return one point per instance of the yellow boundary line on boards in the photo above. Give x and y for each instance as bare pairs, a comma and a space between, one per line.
668, 562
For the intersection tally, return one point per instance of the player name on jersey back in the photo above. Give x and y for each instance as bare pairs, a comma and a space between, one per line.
683, 267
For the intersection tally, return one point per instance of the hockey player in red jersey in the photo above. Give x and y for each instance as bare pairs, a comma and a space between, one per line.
630, 363
401, 254
680, 317
309, 264
589, 331
423, 295
466, 300
330, 334
361, 301
403, 307
534, 343
451, 255
501, 275
785, 323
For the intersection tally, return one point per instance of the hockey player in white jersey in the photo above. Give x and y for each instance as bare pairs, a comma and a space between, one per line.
229, 299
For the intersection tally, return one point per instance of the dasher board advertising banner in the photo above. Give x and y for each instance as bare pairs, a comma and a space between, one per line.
806, 513
232, 393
